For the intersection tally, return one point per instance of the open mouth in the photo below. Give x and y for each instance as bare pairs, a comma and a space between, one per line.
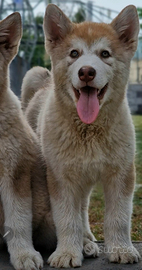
88, 102
100, 92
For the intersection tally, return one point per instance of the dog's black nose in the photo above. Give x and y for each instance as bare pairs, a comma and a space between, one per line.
86, 74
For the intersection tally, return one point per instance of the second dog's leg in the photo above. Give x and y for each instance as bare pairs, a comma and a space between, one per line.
17, 205
66, 208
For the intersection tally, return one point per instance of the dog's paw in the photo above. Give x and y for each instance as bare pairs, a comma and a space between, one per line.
123, 254
90, 249
27, 259
59, 259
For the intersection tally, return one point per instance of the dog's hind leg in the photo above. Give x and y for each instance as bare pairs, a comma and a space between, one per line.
90, 248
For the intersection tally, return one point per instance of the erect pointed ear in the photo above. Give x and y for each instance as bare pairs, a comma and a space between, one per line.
56, 25
126, 24
10, 35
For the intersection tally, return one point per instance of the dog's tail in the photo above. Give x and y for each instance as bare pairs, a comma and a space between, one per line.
35, 79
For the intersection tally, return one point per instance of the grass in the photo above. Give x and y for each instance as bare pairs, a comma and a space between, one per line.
96, 210
137, 209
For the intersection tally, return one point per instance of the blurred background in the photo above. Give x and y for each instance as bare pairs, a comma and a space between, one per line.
32, 53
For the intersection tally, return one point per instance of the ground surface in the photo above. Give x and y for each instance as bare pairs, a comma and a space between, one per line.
100, 263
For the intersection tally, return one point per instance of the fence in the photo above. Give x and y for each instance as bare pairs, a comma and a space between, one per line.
135, 98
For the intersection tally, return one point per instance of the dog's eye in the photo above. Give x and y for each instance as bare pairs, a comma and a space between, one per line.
74, 54
105, 54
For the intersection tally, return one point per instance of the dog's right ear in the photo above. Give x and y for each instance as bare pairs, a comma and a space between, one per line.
10, 35
56, 25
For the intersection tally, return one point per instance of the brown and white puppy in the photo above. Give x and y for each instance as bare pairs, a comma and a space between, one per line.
22, 171
86, 132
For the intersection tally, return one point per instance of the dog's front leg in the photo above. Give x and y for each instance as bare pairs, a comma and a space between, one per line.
17, 205
66, 208
118, 191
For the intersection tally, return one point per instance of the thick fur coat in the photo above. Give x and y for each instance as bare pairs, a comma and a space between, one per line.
86, 131
24, 197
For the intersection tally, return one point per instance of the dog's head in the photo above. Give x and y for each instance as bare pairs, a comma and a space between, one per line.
90, 61
10, 35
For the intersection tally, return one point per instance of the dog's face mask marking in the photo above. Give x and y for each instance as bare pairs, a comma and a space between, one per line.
85, 57
90, 72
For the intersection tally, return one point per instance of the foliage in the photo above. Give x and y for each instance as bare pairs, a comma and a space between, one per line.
139, 10
79, 16
38, 56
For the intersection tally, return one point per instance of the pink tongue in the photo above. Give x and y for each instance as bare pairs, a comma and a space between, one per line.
88, 106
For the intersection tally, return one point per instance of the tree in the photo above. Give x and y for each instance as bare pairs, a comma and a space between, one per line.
140, 15
79, 16
38, 56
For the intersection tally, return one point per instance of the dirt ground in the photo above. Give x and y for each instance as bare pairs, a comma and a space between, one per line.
100, 263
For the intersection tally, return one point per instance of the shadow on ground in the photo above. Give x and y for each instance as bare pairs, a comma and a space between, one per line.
100, 263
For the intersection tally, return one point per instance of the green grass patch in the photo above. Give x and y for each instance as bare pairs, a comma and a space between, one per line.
137, 119
96, 210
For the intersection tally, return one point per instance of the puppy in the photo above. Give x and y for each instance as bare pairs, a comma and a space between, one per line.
86, 131
23, 187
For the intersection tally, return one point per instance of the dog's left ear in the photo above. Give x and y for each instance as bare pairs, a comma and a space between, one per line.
56, 25
126, 24
10, 35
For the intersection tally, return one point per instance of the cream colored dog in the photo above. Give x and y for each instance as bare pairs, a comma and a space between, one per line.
86, 132
23, 187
